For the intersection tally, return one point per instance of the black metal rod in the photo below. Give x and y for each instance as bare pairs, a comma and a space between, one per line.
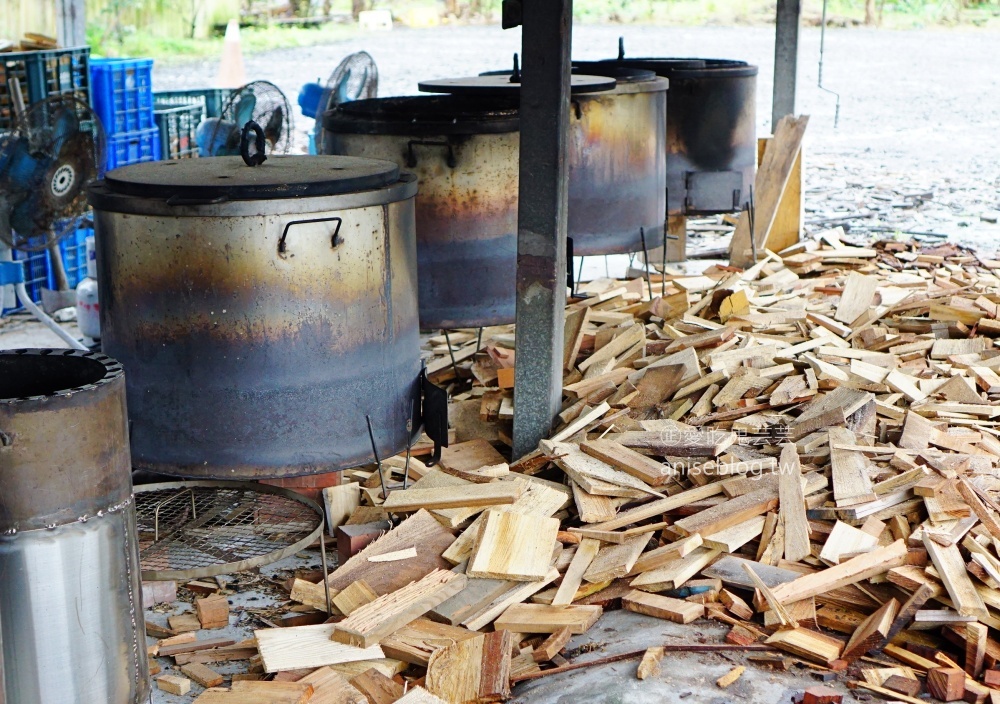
378, 461
645, 262
326, 584
409, 429
451, 353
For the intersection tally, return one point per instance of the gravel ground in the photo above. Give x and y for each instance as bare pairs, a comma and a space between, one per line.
920, 110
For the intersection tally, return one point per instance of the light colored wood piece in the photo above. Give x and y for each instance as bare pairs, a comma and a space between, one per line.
202, 675
377, 619
301, 647
848, 572
542, 618
665, 607
552, 645
353, 596
620, 457
951, 568
394, 556
584, 556
845, 540
849, 471
513, 546
649, 666
792, 505
468, 496
173, 684
340, 503
731, 676
857, 298
614, 561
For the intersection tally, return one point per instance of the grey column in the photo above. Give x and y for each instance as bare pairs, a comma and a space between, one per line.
541, 219
786, 57
71, 23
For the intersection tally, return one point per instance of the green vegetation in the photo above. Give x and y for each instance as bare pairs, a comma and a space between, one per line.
164, 29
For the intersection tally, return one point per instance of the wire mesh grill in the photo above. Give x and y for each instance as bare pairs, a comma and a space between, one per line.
199, 529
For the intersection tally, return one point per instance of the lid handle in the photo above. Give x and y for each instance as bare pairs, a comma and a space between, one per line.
259, 157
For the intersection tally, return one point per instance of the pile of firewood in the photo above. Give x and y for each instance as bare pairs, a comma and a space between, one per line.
806, 451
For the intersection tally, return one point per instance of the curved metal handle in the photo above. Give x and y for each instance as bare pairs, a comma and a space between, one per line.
334, 239
252, 159
411, 158
5, 439
577, 110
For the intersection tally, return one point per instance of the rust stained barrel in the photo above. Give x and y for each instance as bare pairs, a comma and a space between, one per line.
711, 131
617, 164
261, 314
463, 151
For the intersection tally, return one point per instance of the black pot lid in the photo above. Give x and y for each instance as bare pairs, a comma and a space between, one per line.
501, 84
227, 177
622, 74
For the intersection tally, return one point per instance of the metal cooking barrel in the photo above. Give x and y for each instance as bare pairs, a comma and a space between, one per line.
70, 602
617, 166
711, 131
261, 313
463, 151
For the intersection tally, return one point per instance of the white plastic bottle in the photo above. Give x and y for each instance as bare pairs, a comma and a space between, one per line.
87, 309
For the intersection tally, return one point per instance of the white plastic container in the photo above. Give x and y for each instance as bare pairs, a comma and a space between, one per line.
88, 312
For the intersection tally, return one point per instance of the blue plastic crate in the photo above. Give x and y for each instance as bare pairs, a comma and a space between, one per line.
122, 91
133, 148
43, 74
74, 256
36, 277
212, 100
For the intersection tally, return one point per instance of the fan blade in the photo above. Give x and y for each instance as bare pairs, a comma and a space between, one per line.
65, 124
272, 131
245, 108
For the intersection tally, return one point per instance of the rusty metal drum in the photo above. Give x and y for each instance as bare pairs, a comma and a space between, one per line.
617, 165
711, 136
263, 314
464, 152
71, 627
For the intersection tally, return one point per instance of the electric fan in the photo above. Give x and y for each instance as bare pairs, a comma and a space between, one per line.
355, 78
260, 101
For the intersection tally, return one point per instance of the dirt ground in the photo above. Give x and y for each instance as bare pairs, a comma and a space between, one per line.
919, 113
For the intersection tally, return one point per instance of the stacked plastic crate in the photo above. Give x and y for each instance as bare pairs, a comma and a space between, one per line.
178, 114
122, 92
41, 75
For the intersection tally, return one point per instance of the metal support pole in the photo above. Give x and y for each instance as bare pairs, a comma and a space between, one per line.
541, 219
71, 22
786, 58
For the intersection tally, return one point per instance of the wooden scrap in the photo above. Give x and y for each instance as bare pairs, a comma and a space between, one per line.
376, 687
513, 546
792, 505
353, 596
541, 618
375, 620
649, 666
300, 647
665, 607
552, 645
730, 677
202, 675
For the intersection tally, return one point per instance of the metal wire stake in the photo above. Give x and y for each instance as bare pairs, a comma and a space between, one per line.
454, 365
479, 340
326, 584
645, 262
751, 211
663, 259
579, 275
409, 429
378, 462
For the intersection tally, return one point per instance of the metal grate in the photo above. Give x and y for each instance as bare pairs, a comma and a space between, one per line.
203, 528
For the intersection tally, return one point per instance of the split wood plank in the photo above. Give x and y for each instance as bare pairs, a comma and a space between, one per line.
614, 561
849, 471
655, 508
552, 645
807, 644
421, 531
792, 505
951, 568
848, 572
352, 597
300, 647
857, 297
627, 460
871, 632
473, 670
468, 496
513, 546
378, 688
649, 666
419, 695
330, 687
417, 641
664, 607
542, 618
388, 613
771, 182
682, 442
340, 503
519, 592
729, 513
586, 551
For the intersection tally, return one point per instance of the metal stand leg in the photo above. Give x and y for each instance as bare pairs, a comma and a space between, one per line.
645, 262
451, 353
378, 461
326, 584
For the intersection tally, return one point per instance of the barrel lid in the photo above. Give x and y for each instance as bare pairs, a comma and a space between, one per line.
228, 178
687, 67
621, 74
425, 115
501, 84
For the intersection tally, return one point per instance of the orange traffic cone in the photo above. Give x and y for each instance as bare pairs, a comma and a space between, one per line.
232, 73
